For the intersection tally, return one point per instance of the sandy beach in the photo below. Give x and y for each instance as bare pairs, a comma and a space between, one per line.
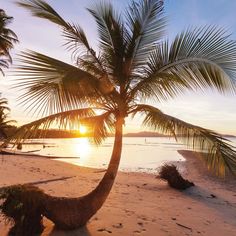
139, 203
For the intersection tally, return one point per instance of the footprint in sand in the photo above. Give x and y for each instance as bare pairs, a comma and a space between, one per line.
139, 231
142, 217
118, 226
104, 230
129, 213
140, 224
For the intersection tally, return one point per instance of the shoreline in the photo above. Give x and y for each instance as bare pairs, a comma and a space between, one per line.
139, 203
65, 159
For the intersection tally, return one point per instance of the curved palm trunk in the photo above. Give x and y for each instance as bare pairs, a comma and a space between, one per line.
71, 213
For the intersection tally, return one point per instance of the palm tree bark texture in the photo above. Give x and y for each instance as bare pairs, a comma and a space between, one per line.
71, 213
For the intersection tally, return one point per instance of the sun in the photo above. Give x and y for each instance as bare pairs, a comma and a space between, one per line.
82, 129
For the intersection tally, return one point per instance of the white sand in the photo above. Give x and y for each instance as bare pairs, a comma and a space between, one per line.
139, 204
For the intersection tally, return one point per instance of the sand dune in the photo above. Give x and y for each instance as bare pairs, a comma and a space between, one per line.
139, 203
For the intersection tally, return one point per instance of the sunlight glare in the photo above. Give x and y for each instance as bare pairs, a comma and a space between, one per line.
83, 148
82, 129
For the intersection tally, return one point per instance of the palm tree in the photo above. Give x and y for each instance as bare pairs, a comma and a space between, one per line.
7, 40
133, 66
5, 124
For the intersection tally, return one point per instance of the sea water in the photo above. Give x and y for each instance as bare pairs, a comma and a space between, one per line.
138, 153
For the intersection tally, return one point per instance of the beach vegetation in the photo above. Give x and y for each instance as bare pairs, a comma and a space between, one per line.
170, 173
7, 40
22, 207
6, 125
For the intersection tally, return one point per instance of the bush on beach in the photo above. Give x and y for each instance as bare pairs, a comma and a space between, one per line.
171, 174
22, 207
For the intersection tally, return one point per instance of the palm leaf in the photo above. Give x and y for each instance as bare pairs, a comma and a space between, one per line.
76, 39
63, 120
112, 38
7, 40
4, 114
43, 10
4, 104
221, 156
197, 59
54, 85
101, 126
146, 24
4, 63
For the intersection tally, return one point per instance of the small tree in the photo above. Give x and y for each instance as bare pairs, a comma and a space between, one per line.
5, 124
7, 40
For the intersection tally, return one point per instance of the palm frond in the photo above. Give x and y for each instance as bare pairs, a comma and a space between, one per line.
101, 126
4, 63
7, 40
112, 38
4, 104
43, 10
197, 59
146, 25
54, 85
107, 21
5, 125
88, 65
63, 120
7, 36
76, 39
221, 156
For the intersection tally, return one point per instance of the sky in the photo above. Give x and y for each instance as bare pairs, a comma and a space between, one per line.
209, 109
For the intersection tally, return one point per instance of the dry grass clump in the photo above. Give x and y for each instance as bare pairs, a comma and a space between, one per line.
171, 174
21, 206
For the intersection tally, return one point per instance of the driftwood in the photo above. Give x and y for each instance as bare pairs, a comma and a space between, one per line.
186, 227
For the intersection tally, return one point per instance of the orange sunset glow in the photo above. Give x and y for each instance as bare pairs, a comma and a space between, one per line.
83, 129
117, 117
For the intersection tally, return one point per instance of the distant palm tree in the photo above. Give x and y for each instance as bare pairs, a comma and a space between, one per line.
7, 40
133, 65
5, 124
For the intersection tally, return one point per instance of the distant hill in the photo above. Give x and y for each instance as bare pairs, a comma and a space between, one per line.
54, 133
145, 134
155, 134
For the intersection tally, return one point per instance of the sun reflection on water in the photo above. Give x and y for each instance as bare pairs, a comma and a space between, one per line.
82, 148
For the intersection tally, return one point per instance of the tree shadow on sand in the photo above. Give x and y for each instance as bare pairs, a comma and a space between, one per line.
79, 232
53, 231
223, 206
216, 193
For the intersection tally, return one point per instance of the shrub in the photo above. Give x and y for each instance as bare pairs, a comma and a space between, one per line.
171, 174
21, 206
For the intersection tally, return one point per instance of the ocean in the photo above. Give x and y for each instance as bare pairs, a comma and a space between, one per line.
139, 154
